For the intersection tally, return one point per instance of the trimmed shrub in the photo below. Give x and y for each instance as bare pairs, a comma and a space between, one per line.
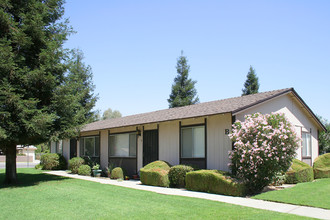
321, 166
117, 173
158, 164
75, 163
264, 145
155, 174
278, 180
299, 172
52, 161
38, 167
177, 175
214, 181
84, 170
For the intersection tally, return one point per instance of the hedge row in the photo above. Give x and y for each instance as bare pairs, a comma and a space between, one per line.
321, 166
299, 172
52, 161
160, 173
214, 181
155, 174
117, 173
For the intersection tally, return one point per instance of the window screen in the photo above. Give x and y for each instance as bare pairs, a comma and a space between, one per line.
306, 145
193, 142
122, 145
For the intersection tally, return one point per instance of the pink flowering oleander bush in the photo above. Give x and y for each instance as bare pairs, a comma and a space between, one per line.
264, 145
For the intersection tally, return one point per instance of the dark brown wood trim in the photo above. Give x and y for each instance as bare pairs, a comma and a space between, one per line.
142, 135
137, 147
205, 137
179, 142
108, 147
89, 136
158, 140
126, 132
193, 158
193, 125
233, 119
111, 157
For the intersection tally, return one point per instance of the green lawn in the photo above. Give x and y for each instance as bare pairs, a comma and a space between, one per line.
41, 196
316, 194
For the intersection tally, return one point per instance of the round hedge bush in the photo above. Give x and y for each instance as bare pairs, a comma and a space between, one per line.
321, 166
177, 175
117, 173
299, 172
52, 161
75, 163
84, 170
155, 174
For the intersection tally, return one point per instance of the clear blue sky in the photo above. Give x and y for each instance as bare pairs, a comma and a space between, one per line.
132, 47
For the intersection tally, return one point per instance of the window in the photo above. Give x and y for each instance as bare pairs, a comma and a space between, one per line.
193, 142
122, 145
306, 144
90, 146
59, 147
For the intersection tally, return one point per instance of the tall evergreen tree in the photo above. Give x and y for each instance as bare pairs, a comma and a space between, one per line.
251, 85
40, 89
183, 89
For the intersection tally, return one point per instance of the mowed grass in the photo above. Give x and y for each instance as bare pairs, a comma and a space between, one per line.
315, 194
43, 196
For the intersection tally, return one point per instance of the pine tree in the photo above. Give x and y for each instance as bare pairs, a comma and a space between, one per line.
251, 85
183, 89
40, 94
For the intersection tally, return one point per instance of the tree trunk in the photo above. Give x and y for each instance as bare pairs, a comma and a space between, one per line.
11, 175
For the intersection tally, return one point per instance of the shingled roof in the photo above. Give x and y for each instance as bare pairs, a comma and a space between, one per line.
231, 105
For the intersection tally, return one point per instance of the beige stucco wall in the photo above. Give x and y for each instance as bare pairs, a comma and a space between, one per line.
104, 159
139, 152
218, 143
66, 149
295, 113
169, 142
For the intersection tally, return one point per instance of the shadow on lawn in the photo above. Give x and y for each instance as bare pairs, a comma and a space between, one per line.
30, 179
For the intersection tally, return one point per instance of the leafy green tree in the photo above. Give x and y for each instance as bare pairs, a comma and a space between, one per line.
43, 148
183, 89
41, 94
107, 114
251, 85
324, 137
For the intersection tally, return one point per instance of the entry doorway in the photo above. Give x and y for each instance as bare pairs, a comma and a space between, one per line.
150, 146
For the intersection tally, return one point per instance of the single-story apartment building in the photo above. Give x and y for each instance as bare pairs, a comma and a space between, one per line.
195, 134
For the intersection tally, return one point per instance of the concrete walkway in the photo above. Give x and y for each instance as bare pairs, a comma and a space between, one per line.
253, 203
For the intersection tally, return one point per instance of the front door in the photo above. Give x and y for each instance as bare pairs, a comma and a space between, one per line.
73, 148
150, 146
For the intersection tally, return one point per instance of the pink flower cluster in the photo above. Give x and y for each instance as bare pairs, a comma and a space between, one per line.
263, 146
